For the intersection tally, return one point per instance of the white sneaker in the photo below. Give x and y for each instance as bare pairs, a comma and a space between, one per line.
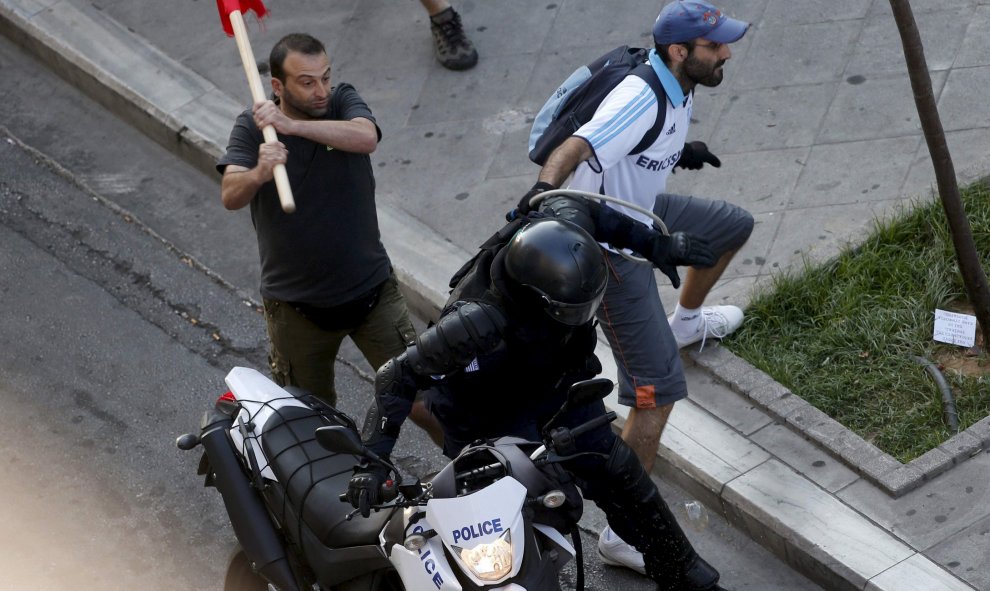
716, 322
612, 550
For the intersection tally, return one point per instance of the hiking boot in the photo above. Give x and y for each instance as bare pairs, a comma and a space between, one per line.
454, 50
716, 322
612, 550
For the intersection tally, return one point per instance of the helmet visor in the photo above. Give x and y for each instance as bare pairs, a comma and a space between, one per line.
573, 314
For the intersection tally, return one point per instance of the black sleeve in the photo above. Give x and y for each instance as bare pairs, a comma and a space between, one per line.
581, 348
395, 389
603, 223
468, 330
242, 147
347, 104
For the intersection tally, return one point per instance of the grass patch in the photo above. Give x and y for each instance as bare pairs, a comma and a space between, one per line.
842, 335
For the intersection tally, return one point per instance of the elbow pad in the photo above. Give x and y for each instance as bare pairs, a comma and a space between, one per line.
577, 210
603, 223
456, 339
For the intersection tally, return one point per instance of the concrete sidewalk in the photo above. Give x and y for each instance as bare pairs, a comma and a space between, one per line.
818, 135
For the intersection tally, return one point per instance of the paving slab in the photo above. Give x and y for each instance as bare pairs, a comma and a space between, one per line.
969, 159
928, 515
805, 63
942, 32
744, 416
917, 573
815, 523
960, 103
967, 554
861, 103
772, 118
976, 40
743, 183
782, 12
819, 233
819, 185
919, 7
806, 458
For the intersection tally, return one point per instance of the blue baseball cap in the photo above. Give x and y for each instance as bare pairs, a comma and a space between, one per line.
684, 20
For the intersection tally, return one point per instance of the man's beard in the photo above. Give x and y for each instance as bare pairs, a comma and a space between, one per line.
701, 73
300, 107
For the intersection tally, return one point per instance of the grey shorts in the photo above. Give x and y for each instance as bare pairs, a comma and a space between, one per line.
635, 324
632, 316
725, 226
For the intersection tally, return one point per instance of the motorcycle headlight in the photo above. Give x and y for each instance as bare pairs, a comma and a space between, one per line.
489, 562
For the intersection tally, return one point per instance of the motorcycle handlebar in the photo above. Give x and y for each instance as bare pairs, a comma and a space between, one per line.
488, 470
593, 424
389, 492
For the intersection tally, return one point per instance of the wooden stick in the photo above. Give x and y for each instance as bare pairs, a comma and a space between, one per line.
258, 94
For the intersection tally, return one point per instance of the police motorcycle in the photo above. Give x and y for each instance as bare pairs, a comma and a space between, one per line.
493, 518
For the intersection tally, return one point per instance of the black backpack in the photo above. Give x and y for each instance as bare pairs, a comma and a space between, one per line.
576, 99
472, 282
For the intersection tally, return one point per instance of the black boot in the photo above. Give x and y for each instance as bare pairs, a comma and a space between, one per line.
639, 515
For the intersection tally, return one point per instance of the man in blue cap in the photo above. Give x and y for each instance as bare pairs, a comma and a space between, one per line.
692, 40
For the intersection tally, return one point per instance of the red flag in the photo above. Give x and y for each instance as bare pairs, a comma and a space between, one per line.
227, 6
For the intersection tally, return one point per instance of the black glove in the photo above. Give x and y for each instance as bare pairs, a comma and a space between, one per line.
679, 249
523, 208
366, 487
694, 155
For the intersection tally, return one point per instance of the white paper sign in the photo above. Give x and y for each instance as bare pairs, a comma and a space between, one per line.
955, 329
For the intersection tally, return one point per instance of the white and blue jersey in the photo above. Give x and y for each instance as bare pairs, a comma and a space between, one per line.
619, 124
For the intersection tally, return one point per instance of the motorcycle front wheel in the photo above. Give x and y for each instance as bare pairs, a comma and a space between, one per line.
240, 576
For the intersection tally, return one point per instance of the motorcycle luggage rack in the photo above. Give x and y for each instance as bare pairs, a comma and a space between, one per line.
287, 436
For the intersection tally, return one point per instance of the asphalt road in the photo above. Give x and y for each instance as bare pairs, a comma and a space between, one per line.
128, 293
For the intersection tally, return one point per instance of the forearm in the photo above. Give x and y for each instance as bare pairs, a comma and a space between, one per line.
395, 390
358, 136
564, 160
239, 187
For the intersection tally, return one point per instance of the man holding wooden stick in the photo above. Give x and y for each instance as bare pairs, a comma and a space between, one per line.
325, 274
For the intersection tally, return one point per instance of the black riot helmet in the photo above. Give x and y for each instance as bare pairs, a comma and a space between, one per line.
564, 266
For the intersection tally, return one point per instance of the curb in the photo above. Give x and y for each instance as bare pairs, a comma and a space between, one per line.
878, 467
776, 505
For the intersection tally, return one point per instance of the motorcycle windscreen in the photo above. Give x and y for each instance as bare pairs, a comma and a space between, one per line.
483, 530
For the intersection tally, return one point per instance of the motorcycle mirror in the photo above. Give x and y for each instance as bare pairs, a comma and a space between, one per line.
187, 442
588, 391
341, 440
582, 393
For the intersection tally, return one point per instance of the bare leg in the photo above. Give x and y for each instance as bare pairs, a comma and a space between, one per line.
434, 6
642, 432
698, 282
